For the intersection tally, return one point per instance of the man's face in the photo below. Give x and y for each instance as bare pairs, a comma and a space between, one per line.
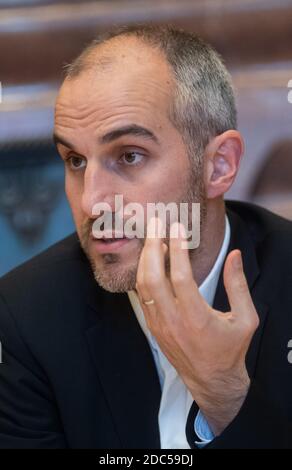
115, 135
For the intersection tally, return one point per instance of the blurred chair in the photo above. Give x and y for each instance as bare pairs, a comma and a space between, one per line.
272, 187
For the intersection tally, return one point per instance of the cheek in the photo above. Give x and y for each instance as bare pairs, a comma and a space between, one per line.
170, 184
73, 190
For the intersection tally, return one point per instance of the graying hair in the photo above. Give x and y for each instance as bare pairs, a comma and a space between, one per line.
204, 103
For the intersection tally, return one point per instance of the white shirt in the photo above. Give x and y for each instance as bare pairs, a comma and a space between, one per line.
176, 400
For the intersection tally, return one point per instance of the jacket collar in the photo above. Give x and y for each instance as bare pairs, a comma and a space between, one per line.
127, 372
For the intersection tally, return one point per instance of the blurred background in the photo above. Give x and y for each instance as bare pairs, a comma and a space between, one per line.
38, 37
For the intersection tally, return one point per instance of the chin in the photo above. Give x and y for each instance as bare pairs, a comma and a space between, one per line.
112, 276
117, 281
115, 272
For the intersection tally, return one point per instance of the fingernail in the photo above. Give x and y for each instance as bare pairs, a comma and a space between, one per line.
154, 228
182, 231
237, 261
151, 228
174, 230
159, 228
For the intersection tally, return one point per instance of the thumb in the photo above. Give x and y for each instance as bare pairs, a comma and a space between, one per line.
237, 288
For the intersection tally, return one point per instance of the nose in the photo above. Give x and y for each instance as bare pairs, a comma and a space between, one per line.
99, 187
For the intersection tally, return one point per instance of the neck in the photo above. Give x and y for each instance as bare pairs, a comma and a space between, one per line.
212, 235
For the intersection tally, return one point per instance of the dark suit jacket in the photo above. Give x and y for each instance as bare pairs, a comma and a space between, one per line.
77, 370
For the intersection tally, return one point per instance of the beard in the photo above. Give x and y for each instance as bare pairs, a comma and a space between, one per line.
110, 272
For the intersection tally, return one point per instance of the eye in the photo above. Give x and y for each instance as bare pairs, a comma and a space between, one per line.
76, 163
131, 158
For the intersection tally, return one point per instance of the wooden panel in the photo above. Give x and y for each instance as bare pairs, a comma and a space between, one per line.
36, 42
254, 36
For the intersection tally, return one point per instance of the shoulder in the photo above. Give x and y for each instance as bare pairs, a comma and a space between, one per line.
49, 290
261, 223
271, 236
51, 265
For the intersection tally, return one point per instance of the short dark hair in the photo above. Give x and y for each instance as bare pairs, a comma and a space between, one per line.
204, 103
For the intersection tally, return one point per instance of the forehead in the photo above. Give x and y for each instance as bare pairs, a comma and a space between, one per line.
124, 73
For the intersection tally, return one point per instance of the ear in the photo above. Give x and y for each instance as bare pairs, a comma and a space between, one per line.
222, 159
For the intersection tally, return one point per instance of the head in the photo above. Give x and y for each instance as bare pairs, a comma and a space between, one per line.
147, 113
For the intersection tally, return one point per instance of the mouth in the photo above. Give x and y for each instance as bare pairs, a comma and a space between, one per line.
109, 245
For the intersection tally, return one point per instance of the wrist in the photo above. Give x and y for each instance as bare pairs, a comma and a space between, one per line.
220, 400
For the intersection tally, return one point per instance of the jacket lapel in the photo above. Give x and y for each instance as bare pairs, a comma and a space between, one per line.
126, 370
241, 239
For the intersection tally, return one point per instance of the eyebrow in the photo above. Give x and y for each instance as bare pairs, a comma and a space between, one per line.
132, 129
60, 140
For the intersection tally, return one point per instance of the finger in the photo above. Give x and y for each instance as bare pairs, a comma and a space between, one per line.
155, 278
237, 289
184, 285
145, 295
154, 283
141, 289
140, 275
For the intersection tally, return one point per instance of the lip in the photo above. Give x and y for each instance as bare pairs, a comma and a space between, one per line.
102, 247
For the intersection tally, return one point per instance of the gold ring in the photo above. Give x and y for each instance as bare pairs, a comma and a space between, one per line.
148, 302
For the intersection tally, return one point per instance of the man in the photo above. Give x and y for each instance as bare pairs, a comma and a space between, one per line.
138, 343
